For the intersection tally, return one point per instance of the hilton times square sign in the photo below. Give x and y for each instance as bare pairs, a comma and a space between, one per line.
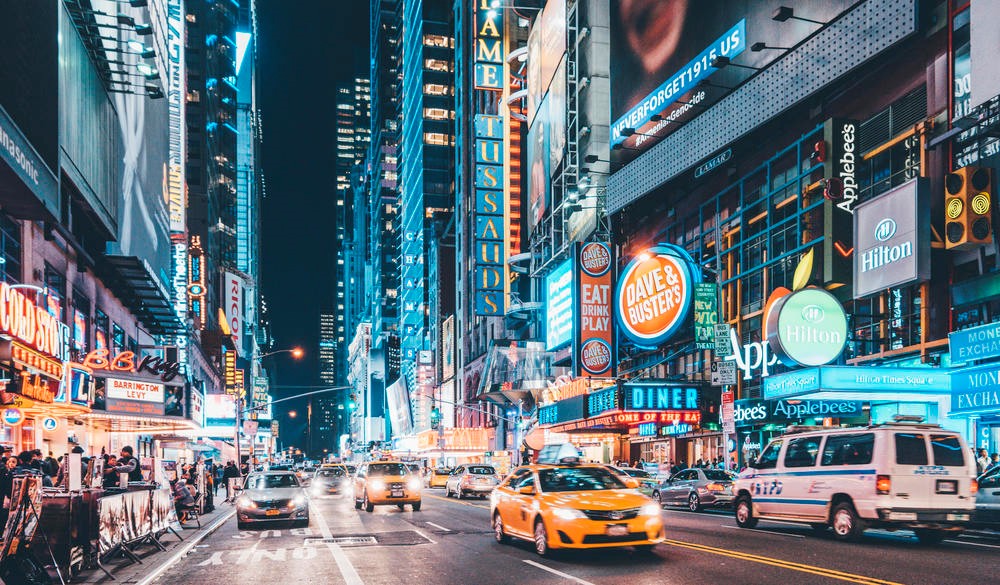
892, 239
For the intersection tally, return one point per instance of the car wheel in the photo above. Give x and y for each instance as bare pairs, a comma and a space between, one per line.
460, 494
656, 497
416, 507
744, 512
846, 523
929, 536
694, 503
401, 507
369, 507
541, 539
357, 504
498, 531
447, 491
241, 525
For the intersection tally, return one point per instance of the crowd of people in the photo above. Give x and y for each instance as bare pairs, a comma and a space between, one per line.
985, 463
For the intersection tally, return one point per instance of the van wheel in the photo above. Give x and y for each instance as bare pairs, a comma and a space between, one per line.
928, 536
846, 523
744, 512
416, 507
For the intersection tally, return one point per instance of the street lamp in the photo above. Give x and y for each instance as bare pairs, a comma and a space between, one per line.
291, 414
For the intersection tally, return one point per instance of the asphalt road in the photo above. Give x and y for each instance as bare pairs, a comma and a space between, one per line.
449, 542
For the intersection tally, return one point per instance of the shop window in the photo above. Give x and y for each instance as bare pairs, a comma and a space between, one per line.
911, 449
437, 65
101, 327
802, 452
55, 285
437, 89
849, 449
81, 323
438, 41
117, 339
10, 249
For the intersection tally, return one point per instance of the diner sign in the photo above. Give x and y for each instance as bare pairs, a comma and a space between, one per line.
32, 324
654, 294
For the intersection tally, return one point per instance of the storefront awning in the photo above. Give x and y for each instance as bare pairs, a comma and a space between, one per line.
132, 280
147, 425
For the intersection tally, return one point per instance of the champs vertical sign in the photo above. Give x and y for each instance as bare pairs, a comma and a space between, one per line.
490, 178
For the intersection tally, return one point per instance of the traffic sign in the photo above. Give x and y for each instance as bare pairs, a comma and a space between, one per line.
728, 413
723, 345
723, 373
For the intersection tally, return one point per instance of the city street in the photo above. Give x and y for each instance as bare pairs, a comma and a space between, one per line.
449, 541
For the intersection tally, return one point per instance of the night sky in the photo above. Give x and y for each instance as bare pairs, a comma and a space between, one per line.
305, 48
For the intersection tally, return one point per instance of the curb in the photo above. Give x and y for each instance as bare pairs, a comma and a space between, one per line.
186, 548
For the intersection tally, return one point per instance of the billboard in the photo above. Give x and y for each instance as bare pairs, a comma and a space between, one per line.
232, 300
559, 306
892, 239
400, 410
546, 46
220, 407
663, 68
539, 167
593, 353
133, 396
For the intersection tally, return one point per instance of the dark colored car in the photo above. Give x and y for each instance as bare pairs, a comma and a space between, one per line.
330, 479
697, 488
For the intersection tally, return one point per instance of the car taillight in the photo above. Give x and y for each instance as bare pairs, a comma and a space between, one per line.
714, 487
974, 487
883, 484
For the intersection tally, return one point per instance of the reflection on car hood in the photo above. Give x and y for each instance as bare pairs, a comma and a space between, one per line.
597, 499
273, 493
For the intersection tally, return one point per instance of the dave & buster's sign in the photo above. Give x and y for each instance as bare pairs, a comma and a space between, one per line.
654, 294
594, 338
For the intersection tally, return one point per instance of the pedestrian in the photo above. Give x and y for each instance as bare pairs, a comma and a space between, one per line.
182, 498
111, 478
127, 463
6, 488
229, 473
982, 462
218, 476
994, 462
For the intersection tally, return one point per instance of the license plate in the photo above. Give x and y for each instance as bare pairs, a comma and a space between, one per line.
904, 516
945, 486
958, 517
396, 494
617, 530
483, 481
271, 513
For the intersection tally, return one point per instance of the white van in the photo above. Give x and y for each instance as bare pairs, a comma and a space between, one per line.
901, 475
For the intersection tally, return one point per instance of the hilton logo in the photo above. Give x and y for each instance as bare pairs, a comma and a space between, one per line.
813, 313
885, 229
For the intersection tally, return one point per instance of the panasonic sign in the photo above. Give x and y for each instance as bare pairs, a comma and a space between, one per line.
891, 242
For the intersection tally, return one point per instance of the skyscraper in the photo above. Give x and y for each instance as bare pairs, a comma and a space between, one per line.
328, 349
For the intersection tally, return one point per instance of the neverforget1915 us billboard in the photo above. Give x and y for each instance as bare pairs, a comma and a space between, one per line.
664, 67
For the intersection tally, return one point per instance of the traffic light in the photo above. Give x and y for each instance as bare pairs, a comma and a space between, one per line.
352, 401
968, 208
435, 417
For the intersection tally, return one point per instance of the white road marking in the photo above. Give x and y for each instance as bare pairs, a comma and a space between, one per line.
425, 536
560, 573
347, 570
974, 543
185, 549
439, 527
764, 531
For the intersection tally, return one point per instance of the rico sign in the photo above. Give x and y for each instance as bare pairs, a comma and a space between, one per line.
654, 295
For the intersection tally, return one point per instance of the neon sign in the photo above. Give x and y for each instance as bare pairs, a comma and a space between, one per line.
22, 319
196, 282
101, 359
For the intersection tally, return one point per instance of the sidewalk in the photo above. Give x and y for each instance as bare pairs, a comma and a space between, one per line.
153, 559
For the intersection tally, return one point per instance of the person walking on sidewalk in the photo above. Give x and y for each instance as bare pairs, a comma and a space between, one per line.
230, 473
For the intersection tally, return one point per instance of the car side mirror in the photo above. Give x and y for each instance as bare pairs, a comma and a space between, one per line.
631, 483
526, 490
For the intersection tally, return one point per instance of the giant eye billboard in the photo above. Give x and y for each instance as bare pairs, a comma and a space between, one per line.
663, 57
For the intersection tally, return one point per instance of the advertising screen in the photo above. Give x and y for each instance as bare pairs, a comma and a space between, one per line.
663, 71
400, 410
220, 407
559, 306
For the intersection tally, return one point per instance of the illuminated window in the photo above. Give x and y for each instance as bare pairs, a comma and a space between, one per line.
438, 41
437, 89
438, 139
438, 114
437, 65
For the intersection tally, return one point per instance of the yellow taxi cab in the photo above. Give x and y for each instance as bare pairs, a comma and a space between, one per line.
380, 483
439, 477
566, 504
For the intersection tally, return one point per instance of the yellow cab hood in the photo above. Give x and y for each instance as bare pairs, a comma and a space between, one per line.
597, 499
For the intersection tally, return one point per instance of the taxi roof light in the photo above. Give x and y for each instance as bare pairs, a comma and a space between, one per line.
564, 453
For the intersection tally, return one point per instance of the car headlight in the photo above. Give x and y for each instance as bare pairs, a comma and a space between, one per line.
245, 502
650, 510
376, 484
414, 484
299, 501
568, 513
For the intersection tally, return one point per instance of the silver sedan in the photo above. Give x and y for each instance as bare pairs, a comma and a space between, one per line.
696, 488
272, 496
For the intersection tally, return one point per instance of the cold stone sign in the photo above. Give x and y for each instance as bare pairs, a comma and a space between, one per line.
892, 239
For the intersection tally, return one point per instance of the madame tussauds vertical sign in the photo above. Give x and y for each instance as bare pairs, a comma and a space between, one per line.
654, 294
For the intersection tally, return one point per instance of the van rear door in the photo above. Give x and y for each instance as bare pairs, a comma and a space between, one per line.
952, 473
911, 464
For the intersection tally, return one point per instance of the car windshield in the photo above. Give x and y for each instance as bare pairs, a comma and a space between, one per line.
636, 473
482, 470
576, 479
443, 471
387, 469
263, 482
718, 475
331, 472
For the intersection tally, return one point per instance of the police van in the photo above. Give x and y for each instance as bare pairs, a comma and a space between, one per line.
899, 475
